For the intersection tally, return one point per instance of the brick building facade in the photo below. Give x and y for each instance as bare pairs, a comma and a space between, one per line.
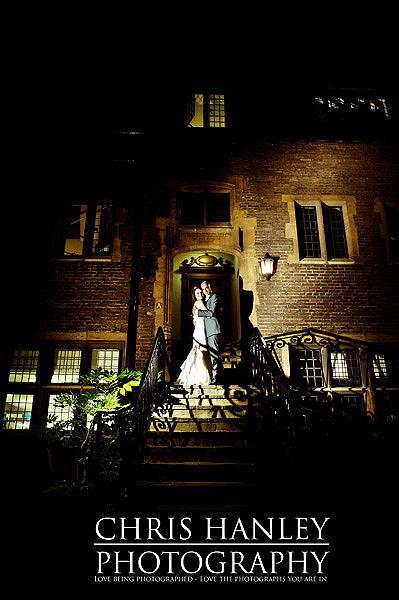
325, 205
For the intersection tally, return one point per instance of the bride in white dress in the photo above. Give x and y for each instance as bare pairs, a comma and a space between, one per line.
197, 368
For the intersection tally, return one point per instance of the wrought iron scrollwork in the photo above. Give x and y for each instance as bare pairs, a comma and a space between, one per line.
153, 393
125, 430
267, 374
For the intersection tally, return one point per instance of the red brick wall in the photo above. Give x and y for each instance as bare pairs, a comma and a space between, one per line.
86, 295
353, 298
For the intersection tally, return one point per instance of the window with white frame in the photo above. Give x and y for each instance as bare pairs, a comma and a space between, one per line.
59, 412
345, 367
106, 358
66, 366
61, 368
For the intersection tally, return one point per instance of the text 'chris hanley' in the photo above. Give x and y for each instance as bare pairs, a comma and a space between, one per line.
264, 545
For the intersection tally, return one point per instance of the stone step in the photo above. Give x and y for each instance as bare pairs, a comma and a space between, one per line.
195, 485
221, 497
195, 439
204, 412
204, 471
155, 454
202, 493
201, 425
209, 391
180, 400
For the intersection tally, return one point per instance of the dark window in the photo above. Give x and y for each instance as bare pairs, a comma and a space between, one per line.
307, 367
335, 232
218, 208
308, 232
103, 230
241, 238
388, 407
385, 367
345, 367
204, 208
87, 230
349, 409
392, 216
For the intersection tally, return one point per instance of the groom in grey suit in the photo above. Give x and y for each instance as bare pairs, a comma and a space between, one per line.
213, 330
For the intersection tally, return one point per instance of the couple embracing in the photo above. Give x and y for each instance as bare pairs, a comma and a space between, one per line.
203, 364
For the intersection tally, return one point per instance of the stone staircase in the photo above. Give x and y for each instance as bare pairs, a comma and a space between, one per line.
231, 357
209, 451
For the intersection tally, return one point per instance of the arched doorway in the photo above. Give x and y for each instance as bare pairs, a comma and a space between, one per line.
189, 270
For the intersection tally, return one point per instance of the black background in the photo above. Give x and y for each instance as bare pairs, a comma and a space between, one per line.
67, 77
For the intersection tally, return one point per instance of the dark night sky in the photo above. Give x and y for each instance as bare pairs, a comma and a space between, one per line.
69, 78
82, 72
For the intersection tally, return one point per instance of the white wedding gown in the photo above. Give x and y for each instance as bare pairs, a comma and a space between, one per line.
197, 368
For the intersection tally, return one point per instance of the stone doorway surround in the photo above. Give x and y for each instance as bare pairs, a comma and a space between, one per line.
235, 242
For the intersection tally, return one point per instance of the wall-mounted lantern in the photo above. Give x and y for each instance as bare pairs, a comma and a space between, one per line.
268, 265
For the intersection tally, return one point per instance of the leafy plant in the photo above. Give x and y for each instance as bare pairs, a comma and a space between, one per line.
100, 391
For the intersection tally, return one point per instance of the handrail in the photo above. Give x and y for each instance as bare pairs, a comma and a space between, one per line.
267, 374
131, 422
145, 401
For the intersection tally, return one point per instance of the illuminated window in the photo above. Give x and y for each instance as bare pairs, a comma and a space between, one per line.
380, 367
24, 366
204, 208
75, 230
206, 110
88, 230
61, 412
345, 367
18, 411
352, 107
67, 366
217, 116
107, 359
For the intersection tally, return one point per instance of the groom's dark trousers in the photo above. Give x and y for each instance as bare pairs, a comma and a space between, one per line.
214, 335
215, 349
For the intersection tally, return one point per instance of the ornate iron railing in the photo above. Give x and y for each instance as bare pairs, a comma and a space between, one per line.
266, 373
152, 392
118, 436
332, 393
